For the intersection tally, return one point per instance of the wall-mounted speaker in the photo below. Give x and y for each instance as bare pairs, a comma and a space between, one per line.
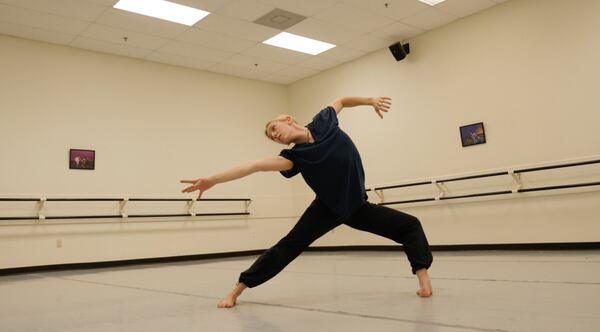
399, 51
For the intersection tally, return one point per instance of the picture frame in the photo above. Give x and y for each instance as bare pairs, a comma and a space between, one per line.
82, 159
472, 134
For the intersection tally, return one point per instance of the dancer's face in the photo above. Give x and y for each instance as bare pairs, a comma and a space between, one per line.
281, 131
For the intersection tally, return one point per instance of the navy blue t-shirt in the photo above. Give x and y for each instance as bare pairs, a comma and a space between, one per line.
331, 165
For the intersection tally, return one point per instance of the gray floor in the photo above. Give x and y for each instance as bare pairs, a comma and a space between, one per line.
351, 291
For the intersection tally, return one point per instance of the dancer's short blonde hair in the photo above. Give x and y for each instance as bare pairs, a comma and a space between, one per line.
280, 117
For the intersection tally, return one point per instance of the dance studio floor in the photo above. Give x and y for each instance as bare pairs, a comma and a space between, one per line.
347, 291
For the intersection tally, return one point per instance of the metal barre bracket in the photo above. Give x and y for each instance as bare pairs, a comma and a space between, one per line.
440, 187
123, 207
379, 193
246, 206
517, 178
42, 204
190, 204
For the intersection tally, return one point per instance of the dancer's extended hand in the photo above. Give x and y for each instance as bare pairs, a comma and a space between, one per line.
202, 184
381, 104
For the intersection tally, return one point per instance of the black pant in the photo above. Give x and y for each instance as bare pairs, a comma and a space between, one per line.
318, 220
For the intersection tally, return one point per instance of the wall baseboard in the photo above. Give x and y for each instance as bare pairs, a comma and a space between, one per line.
451, 247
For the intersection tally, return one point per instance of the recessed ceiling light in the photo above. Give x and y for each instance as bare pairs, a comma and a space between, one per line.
432, 2
164, 10
298, 43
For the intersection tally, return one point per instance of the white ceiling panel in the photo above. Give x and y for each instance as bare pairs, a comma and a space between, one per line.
247, 10
44, 35
324, 31
369, 43
81, 10
236, 28
41, 20
297, 72
125, 37
111, 48
303, 7
243, 72
279, 79
106, 3
179, 60
206, 5
397, 32
227, 41
194, 51
430, 18
215, 40
276, 54
464, 8
342, 54
354, 18
395, 9
319, 63
255, 63
143, 24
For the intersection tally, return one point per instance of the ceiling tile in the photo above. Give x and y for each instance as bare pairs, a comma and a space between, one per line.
22, 31
236, 28
140, 23
106, 3
111, 48
40, 20
341, 54
276, 54
324, 31
462, 8
353, 18
429, 19
254, 63
116, 35
179, 60
297, 72
319, 63
194, 51
206, 5
247, 10
279, 79
396, 9
302, 7
215, 40
369, 43
237, 71
397, 32
81, 10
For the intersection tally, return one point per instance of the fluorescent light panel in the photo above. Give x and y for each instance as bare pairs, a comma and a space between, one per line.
432, 2
298, 43
164, 10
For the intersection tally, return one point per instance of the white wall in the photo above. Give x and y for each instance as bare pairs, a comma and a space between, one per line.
526, 68
150, 125
529, 70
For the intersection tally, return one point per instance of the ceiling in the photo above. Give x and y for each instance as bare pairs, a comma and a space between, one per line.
227, 41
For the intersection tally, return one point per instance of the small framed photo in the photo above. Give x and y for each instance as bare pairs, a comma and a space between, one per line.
472, 134
82, 159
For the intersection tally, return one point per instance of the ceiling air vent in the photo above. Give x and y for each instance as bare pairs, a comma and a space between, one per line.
279, 19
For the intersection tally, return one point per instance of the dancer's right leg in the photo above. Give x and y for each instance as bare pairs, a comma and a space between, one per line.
314, 223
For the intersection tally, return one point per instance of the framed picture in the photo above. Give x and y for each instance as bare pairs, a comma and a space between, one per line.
472, 134
82, 159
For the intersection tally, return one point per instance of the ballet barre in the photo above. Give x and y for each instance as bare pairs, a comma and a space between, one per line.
122, 207
514, 173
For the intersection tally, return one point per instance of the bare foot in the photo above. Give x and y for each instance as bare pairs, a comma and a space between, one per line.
424, 283
229, 300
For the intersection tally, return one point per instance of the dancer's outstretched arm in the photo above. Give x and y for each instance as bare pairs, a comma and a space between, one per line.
380, 104
276, 163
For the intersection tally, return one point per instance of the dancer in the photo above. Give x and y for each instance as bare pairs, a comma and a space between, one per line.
330, 164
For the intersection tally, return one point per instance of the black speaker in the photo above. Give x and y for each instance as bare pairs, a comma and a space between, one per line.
399, 51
